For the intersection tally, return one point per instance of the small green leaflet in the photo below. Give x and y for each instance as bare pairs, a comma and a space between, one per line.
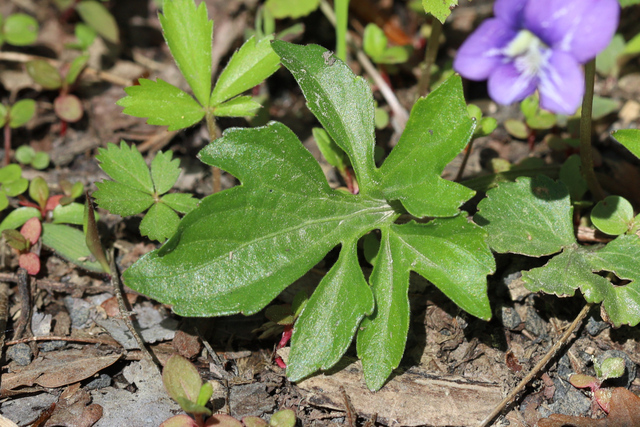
135, 189
188, 33
241, 247
540, 224
441, 9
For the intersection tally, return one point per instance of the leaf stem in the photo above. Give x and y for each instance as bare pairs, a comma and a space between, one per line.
341, 8
430, 55
212, 128
7, 143
585, 133
539, 366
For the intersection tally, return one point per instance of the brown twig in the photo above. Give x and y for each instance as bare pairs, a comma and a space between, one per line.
351, 417
125, 313
538, 368
24, 290
68, 339
102, 75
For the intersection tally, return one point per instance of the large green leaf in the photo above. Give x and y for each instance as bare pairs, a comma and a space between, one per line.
162, 103
241, 247
189, 33
341, 101
262, 235
248, 67
438, 129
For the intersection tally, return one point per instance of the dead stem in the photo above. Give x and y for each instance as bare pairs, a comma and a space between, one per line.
125, 313
538, 368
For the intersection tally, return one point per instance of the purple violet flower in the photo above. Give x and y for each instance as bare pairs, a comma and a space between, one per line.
538, 44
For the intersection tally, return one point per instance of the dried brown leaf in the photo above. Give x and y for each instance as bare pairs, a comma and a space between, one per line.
59, 368
625, 412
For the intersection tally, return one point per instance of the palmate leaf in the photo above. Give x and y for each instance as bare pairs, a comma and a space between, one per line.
240, 248
540, 224
189, 34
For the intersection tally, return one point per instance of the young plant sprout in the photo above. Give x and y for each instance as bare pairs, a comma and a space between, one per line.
538, 44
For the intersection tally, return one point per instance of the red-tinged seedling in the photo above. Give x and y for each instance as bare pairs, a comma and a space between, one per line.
23, 242
612, 367
183, 383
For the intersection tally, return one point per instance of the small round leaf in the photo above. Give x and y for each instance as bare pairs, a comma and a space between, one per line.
41, 160
30, 262
516, 128
25, 154
181, 379
98, 17
612, 215
21, 112
68, 108
45, 74
20, 29
284, 418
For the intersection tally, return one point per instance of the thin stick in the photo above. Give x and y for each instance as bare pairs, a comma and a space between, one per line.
465, 159
68, 339
585, 133
103, 75
539, 366
124, 312
24, 290
7, 144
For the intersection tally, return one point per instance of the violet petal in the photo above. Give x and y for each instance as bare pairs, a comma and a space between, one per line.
582, 27
506, 84
561, 84
510, 11
481, 53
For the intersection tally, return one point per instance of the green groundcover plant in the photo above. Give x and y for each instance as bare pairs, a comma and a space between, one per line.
240, 248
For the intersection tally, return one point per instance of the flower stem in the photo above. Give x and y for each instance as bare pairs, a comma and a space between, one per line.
342, 13
585, 133
424, 83
7, 144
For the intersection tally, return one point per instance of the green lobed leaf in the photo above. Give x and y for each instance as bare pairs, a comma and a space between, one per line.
343, 298
164, 171
248, 67
20, 29
69, 243
438, 129
237, 107
263, 235
162, 104
189, 33
383, 334
571, 176
160, 223
21, 112
630, 138
126, 165
441, 9
613, 215
538, 224
100, 19
621, 302
180, 202
341, 102
121, 199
